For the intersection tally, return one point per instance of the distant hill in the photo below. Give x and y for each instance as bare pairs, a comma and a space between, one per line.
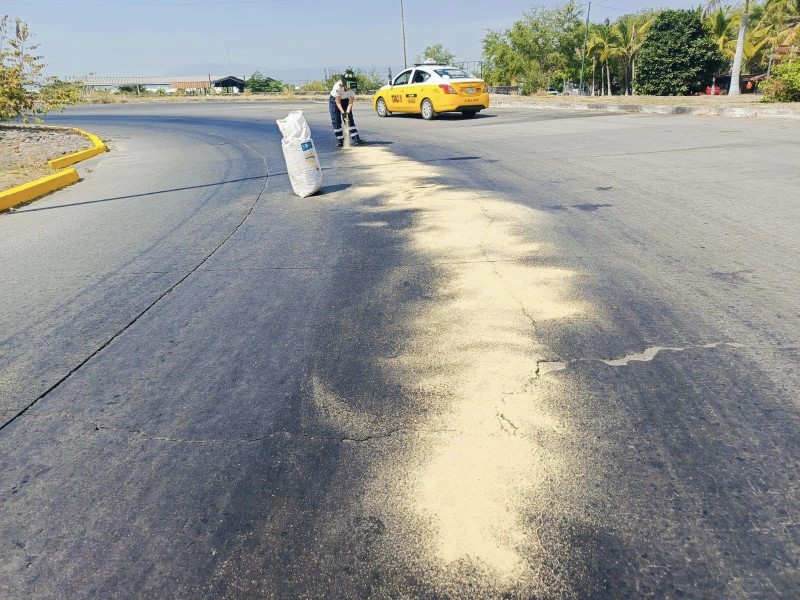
294, 76
238, 69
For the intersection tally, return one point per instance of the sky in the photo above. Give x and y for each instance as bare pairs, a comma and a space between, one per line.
291, 40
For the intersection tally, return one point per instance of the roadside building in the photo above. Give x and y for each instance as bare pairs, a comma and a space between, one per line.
202, 84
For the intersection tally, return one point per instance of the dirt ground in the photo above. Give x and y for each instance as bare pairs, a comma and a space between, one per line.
25, 150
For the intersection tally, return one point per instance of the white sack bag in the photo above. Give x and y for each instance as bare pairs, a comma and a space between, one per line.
302, 162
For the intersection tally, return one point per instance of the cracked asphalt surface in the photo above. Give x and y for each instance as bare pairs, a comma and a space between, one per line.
533, 354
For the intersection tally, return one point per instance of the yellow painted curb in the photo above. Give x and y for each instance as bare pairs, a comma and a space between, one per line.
39, 187
75, 157
35, 189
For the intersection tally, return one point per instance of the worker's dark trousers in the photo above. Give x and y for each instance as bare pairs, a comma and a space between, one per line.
336, 120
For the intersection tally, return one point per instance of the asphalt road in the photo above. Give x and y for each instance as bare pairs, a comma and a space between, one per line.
533, 354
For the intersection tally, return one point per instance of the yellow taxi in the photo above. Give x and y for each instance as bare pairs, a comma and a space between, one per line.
429, 89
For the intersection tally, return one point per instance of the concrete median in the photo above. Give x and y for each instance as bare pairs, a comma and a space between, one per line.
45, 185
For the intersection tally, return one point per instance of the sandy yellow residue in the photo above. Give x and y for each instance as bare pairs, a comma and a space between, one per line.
472, 356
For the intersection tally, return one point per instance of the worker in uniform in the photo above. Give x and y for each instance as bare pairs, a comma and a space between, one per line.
340, 103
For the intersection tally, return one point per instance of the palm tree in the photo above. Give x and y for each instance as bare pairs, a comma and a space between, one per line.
722, 23
631, 29
736, 71
595, 50
788, 9
782, 17
605, 44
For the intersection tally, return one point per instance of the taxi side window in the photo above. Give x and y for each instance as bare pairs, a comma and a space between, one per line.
421, 77
402, 79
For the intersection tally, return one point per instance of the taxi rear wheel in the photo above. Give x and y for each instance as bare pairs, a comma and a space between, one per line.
426, 108
381, 108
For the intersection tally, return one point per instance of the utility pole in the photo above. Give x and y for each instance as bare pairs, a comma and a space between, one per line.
585, 41
403, 25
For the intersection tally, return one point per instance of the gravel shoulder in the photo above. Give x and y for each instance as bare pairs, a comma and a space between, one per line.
25, 150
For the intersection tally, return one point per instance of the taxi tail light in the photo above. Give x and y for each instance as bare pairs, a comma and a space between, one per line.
447, 89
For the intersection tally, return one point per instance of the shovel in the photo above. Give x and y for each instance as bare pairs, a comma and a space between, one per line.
346, 125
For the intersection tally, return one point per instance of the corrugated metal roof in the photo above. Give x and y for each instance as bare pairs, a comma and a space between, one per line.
158, 80
191, 85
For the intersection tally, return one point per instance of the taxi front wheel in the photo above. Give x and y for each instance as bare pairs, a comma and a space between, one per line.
426, 108
381, 108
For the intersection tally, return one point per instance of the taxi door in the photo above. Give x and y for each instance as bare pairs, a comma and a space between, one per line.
414, 91
397, 95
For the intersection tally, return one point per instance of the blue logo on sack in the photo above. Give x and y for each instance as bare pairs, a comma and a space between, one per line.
307, 146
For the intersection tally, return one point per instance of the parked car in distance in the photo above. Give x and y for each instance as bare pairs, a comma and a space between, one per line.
429, 89
718, 91
553, 92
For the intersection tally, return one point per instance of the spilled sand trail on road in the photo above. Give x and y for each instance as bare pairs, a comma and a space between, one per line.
484, 456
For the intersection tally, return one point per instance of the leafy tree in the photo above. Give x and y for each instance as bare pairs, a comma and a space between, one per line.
373, 79
678, 56
258, 84
366, 80
502, 64
438, 53
542, 47
21, 79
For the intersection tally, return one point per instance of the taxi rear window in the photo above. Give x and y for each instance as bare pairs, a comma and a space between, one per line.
454, 74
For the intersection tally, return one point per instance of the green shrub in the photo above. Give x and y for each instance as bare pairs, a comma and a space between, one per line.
133, 90
783, 84
315, 86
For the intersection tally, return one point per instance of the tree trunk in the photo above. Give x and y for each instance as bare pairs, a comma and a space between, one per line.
608, 72
594, 68
602, 79
633, 75
625, 68
736, 72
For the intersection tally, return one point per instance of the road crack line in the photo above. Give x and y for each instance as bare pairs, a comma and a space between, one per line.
545, 366
116, 335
